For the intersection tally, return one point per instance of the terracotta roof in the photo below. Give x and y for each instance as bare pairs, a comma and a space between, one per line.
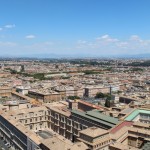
121, 125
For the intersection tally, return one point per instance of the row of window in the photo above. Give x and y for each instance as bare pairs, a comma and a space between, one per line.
32, 114
102, 144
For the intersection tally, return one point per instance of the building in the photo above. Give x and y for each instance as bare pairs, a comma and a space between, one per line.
91, 91
5, 91
45, 96
59, 142
34, 119
130, 135
57, 117
16, 134
22, 90
95, 138
139, 115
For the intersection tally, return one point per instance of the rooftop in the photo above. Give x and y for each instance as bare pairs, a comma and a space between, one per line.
58, 142
136, 112
120, 146
98, 117
94, 131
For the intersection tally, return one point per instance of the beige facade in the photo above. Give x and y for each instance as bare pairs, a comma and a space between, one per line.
92, 91
95, 138
5, 92
130, 135
34, 118
45, 97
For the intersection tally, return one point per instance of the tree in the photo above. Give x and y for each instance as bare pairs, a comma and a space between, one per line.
103, 95
107, 103
108, 100
100, 95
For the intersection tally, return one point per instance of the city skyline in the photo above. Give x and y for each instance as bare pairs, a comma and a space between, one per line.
74, 28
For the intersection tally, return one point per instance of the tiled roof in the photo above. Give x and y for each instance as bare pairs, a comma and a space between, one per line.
121, 125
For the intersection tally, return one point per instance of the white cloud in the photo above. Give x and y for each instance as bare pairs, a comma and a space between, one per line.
107, 38
30, 36
135, 38
106, 44
103, 45
9, 26
7, 44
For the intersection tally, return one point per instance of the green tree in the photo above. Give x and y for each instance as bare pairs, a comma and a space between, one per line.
100, 95
107, 103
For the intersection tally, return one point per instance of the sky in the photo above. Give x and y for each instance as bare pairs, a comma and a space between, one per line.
74, 27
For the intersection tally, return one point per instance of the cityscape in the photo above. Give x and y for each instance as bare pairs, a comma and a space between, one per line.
66, 84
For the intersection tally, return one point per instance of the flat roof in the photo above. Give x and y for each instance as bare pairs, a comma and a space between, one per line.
45, 134
127, 110
121, 146
94, 131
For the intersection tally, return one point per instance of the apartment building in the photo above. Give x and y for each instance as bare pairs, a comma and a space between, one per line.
5, 91
68, 122
16, 134
66, 91
92, 118
91, 91
95, 138
34, 119
60, 119
90, 127
45, 96
130, 135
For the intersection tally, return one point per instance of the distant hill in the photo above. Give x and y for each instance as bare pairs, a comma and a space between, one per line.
57, 56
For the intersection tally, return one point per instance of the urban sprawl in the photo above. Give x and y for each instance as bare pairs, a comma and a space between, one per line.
75, 104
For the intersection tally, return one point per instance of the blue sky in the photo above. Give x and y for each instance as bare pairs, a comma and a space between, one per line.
74, 27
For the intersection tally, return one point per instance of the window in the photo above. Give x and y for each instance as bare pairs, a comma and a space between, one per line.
62, 119
31, 114
49, 112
